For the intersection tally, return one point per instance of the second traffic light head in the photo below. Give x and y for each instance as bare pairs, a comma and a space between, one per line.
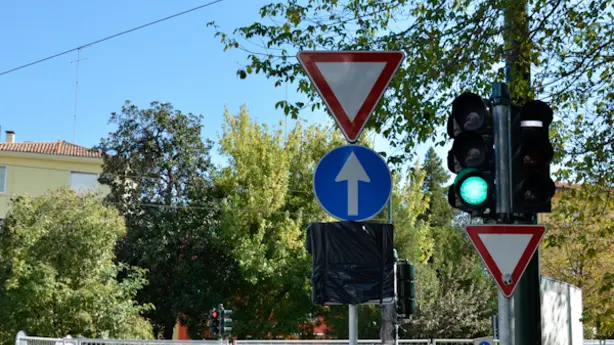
532, 156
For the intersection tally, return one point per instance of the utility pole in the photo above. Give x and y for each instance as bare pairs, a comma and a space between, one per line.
520, 316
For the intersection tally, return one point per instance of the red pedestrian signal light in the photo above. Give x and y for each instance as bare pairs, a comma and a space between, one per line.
214, 314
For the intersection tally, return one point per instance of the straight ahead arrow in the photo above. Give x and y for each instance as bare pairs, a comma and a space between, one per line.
352, 172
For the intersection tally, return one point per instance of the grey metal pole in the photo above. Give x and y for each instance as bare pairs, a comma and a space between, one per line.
394, 299
503, 184
353, 318
527, 296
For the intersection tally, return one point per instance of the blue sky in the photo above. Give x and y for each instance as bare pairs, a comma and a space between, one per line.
178, 61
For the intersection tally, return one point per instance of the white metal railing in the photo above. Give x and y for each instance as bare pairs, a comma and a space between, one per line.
23, 339
326, 342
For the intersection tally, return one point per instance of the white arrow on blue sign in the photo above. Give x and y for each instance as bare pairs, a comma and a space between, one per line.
352, 182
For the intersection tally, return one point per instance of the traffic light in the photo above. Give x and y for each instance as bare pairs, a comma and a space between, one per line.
406, 289
471, 156
532, 153
226, 320
214, 323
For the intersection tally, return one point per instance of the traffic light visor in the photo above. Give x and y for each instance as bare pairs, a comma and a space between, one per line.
537, 190
537, 111
536, 150
470, 150
470, 112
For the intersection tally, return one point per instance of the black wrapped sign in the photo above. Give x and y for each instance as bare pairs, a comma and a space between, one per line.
352, 263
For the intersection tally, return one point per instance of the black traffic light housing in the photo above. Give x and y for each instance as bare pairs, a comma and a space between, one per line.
471, 156
532, 154
406, 289
226, 322
214, 323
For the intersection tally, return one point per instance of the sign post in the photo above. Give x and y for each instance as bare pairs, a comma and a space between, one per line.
351, 83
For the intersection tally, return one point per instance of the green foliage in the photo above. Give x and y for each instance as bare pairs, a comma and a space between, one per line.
57, 273
453, 46
413, 236
268, 205
159, 172
578, 249
455, 301
435, 185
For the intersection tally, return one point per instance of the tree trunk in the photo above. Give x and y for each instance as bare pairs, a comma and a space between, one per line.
168, 329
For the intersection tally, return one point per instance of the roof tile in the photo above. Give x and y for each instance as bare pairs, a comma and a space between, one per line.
58, 148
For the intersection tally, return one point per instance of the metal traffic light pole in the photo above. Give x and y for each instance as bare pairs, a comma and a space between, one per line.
526, 301
503, 156
519, 316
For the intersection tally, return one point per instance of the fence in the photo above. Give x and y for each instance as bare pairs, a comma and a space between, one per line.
23, 339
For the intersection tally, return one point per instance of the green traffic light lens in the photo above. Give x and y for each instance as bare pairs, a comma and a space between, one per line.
474, 190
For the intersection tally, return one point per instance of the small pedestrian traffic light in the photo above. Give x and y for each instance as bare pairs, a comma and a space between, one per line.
532, 154
214, 324
406, 289
471, 156
226, 320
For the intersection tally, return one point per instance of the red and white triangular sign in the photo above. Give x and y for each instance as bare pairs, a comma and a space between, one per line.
506, 250
351, 83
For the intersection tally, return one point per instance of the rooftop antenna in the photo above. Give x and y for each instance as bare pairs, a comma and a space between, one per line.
74, 134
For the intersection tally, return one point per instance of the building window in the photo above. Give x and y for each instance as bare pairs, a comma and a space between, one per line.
83, 181
2, 179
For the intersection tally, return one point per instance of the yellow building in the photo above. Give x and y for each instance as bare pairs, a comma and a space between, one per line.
33, 168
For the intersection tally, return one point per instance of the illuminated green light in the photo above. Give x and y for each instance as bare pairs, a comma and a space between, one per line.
474, 190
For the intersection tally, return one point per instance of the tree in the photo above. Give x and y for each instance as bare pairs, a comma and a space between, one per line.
57, 275
268, 205
578, 249
454, 302
450, 47
159, 172
448, 272
436, 179
413, 234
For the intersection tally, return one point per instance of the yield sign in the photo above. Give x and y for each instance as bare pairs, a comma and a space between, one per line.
506, 250
351, 83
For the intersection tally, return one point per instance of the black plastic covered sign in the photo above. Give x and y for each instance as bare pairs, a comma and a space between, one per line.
352, 262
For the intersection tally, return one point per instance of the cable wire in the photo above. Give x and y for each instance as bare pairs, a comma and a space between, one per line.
110, 37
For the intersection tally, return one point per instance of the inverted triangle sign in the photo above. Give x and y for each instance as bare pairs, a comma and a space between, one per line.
351, 83
506, 250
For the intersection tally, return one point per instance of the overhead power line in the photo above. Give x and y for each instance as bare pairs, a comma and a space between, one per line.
110, 37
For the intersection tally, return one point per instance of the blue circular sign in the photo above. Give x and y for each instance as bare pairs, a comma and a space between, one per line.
352, 182
484, 343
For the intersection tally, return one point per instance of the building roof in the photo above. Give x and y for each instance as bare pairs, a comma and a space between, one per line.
58, 148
